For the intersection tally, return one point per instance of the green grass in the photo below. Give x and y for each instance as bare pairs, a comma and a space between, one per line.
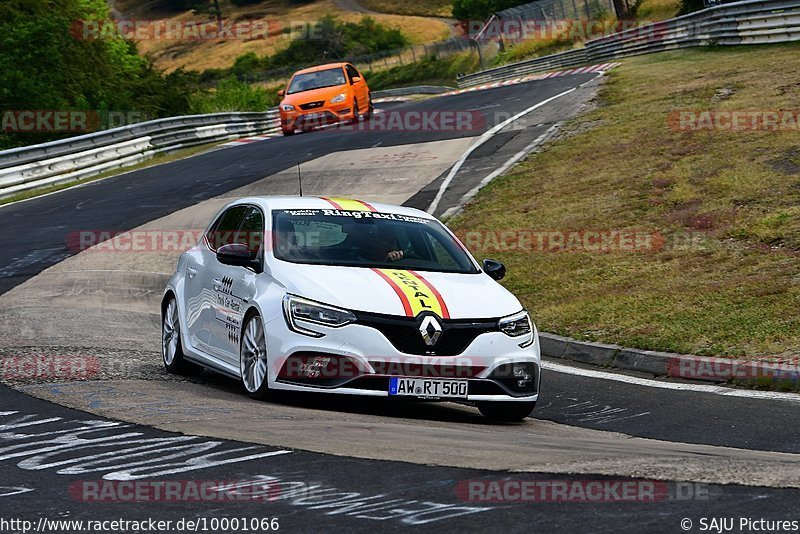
655, 10
727, 281
233, 95
533, 48
428, 71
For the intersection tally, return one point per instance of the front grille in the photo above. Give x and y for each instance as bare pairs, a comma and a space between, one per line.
403, 333
393, 367
305, 121
312, 105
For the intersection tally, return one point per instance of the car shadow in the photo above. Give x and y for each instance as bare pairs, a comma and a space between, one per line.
434, 411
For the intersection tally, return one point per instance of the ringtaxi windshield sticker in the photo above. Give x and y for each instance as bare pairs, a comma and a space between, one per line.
356, 215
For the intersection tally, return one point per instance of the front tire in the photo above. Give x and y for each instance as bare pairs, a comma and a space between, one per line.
171, 347
253, 363
508, 412
287, 133
370, 110
356, 116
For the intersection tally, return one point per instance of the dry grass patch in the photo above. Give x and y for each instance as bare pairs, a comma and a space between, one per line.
428, 8
204, 54
727, 280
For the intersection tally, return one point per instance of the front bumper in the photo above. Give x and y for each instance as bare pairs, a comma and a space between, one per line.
365, 361
307, 120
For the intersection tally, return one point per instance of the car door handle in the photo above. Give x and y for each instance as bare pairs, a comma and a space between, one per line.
191, 271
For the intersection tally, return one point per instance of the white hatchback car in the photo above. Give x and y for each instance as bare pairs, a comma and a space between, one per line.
342, 296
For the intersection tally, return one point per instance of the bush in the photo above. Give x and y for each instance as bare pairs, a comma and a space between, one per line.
233, 95
481, 9
44, 65
690, 6
326, 40
429, 70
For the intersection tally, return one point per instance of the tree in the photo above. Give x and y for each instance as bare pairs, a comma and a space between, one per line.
481, 9
210, 7
70, 70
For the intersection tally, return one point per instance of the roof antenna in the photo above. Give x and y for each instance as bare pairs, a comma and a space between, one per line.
300, 178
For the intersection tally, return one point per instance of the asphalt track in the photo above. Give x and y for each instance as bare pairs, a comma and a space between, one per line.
35, 233
34, 230
311, 492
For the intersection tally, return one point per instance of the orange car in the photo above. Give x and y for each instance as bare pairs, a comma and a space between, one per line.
323, 95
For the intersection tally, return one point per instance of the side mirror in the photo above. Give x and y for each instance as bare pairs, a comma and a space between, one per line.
494, 268
239, 255
281, 93
356, 79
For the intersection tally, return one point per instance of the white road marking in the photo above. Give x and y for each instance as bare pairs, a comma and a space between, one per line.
676, 386
18, 265
127, 456
483, 139
497, 172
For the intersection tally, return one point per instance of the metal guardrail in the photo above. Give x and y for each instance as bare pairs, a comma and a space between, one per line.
739, 23
414, 90
75, 158
570, 58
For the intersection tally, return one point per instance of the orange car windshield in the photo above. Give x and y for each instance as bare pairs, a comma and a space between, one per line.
316, 80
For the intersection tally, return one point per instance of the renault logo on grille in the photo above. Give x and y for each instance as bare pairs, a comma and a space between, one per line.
430, 329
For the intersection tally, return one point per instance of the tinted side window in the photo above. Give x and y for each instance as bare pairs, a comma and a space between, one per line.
441, 253
222, 233
351, 72
251, 233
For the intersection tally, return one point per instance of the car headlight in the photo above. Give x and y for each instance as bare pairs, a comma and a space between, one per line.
303, 310
338, 98
516, 325
287, 107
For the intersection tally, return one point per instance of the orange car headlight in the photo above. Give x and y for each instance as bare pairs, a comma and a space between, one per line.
338, 98
287, 107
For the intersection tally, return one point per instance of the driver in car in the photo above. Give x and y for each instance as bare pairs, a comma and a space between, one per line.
383, 247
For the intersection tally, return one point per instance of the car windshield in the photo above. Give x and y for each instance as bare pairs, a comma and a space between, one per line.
316, 80
367, 239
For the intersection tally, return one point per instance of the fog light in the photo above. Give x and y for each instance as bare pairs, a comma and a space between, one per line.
320, 370
314, 368
523, 376
517, 377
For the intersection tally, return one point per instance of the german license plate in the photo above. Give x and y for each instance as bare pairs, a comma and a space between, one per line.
312, 116
428, 387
